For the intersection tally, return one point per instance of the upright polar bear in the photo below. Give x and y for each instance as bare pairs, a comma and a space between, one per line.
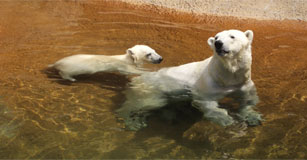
227, 72
128, 63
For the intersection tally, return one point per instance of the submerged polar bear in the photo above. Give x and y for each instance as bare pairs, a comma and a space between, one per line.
128, 63
227, 72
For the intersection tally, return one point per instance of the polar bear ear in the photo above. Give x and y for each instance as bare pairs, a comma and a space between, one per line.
211, 42
132, 55
250, 35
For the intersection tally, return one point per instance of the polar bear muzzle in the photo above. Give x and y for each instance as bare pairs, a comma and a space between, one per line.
219, 48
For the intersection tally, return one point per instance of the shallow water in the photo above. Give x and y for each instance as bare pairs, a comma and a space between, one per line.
42, 117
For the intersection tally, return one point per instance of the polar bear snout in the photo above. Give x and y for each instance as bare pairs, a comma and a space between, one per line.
218, 44
154, 58
219, 48
157, 61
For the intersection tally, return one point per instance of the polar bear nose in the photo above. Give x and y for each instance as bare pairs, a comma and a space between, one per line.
160, 60
218, 44
157, 61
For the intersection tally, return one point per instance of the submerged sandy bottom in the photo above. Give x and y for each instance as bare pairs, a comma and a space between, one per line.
42, 117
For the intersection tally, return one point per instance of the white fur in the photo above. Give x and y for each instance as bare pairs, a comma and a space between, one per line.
205, 82
128, 63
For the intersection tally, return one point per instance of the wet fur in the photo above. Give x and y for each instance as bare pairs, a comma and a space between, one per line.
128, 63
203, 83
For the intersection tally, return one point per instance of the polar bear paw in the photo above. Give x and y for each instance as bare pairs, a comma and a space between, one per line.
135, 126
135, 123
221, 118
250, 116
224, 121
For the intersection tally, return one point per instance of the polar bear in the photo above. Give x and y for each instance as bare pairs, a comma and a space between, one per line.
204, 83
128, 63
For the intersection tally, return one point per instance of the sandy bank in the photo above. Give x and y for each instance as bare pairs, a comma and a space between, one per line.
260, 9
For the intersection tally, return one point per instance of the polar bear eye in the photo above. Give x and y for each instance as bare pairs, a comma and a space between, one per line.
232, 37
216, 37
149, 54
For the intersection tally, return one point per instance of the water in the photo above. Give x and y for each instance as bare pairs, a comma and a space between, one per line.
41, 117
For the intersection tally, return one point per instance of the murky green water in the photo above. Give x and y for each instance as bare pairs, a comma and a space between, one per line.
42, 117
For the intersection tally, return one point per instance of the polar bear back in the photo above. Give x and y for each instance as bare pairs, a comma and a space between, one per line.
172, 79
187, 73
88, 63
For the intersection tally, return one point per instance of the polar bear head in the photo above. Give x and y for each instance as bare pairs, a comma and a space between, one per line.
230, 43
143, 53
